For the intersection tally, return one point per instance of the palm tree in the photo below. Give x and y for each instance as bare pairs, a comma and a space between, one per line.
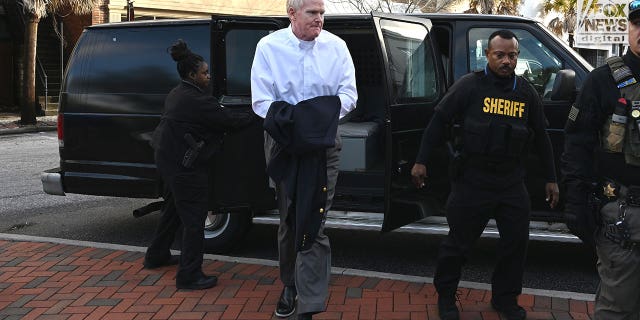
486, 6
34, 10
566, 22
506, 7
473, 7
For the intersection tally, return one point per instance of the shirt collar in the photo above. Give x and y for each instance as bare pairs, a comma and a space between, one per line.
508, 84
304, 45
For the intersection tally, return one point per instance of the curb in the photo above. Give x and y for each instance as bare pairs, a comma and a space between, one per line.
27, 129
272, 263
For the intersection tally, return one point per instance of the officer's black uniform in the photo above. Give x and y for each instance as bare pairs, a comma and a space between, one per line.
582, 162
499, 118
584, 165
187, 110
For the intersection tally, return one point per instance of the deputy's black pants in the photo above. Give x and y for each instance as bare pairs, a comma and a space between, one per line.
469, 209
185, 205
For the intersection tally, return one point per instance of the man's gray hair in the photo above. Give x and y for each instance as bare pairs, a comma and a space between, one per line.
295, 4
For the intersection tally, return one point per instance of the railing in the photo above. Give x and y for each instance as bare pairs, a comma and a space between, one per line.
44, 80
42, 74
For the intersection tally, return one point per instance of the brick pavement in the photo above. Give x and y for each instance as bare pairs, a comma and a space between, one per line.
43, 280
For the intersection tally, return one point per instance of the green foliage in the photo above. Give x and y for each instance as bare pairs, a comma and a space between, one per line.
40, 8
567, 11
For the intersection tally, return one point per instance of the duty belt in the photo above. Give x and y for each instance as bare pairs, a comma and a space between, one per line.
491, 165
618, 233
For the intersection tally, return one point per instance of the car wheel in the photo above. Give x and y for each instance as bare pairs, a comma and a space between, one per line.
223, 231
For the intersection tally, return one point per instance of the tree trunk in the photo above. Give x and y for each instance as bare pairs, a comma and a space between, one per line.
18, 74
28, 108
486, 6
571, 39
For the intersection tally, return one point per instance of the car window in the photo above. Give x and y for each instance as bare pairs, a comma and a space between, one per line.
240, 49
110, 65
411, 61
536, 62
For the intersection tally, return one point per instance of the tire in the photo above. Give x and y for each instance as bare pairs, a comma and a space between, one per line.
224, 231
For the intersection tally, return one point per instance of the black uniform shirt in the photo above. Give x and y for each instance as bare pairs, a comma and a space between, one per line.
583, 160
465, 93
190, 110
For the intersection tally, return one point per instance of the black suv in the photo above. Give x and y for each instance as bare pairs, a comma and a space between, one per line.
119, 75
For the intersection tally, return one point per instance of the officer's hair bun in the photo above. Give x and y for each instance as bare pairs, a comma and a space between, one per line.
186, 61
179, 50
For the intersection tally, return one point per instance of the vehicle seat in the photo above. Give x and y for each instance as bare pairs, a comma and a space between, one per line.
360, 147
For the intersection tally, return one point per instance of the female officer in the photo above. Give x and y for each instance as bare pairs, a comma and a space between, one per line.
189, 133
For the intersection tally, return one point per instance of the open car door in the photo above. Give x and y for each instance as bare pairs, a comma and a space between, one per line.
415, 82
239, 173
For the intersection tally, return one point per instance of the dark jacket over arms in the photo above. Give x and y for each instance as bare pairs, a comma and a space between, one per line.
303, 133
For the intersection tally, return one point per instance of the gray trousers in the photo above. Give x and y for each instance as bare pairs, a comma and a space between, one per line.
618, 294
308, 270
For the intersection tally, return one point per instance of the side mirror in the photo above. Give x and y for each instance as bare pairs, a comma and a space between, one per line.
564, 86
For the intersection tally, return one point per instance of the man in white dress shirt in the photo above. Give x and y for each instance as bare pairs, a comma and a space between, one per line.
291, 65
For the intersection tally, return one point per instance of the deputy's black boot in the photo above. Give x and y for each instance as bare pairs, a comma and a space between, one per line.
447, 308
512, 311
198, 283
287, 302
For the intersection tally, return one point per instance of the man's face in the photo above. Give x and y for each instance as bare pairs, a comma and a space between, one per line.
202, 77
502, 56
307, 21
634, 36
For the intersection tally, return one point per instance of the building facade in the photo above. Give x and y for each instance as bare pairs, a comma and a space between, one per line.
57, 35
117, 10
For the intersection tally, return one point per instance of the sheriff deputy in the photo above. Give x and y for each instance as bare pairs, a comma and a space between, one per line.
499, 116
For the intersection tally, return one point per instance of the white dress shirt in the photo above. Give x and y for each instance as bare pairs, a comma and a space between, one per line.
288, 69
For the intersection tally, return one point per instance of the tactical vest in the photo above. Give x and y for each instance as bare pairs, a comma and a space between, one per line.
495, 122
612, 139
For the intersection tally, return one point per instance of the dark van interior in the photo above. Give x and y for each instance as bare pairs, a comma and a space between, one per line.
362, 130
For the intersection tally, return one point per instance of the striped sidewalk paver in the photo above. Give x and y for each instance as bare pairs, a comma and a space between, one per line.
43, 280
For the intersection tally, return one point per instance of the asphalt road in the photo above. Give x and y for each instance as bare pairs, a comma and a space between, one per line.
26, 209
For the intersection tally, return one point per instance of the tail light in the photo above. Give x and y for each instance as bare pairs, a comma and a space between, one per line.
60, 130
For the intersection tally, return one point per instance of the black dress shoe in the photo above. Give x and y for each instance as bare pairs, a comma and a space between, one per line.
510, 311
447, 309
150, 264
304, 316
287, 302
202, 282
